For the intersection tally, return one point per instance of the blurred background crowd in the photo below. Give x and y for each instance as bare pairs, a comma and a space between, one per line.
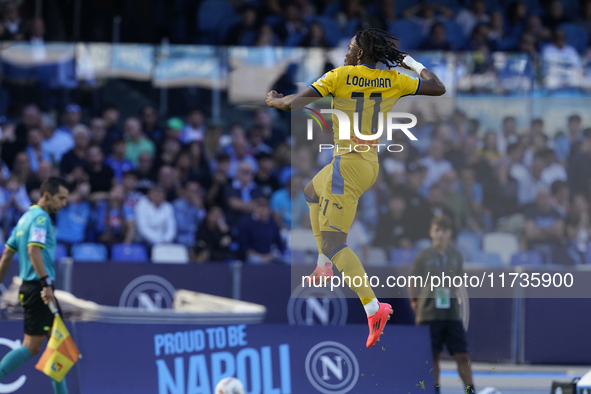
149, 166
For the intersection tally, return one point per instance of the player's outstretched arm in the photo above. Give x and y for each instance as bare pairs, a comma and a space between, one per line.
430, 83
5, 262
286, 103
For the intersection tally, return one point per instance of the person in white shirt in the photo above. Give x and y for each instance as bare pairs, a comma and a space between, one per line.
563, 63
194, 129
154, 218
435, 164
56, 142
468, 18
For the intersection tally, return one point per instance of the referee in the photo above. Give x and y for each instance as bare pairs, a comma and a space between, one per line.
439, 309
34, 239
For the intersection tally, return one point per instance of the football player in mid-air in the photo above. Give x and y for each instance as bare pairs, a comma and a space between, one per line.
334, 192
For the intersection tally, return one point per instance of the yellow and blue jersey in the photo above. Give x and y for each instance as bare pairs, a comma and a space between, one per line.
367, 90
34, 228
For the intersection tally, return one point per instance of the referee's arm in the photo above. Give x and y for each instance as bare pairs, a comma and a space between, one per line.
5, 262
34, 252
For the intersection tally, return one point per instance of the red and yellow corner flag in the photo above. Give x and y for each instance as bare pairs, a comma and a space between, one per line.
61, 353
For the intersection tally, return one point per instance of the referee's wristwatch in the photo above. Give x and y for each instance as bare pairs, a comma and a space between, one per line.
46, 281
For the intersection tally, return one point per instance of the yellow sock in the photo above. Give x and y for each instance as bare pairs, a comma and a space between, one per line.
349, 265
314, 214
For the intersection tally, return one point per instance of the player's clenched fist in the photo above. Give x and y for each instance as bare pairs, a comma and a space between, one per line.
272, 95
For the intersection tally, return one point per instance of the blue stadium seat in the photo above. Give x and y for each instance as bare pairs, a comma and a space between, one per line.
399, 256
492, 260
468, 244
529, 257
60, 252
332, 32
210, 15
576, 35
408, 32
132, 253
89, 252
454, 34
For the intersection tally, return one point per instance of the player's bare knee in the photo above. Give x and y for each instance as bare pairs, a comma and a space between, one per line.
462, 358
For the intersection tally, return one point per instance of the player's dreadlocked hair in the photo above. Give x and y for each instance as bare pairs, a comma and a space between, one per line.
379, 46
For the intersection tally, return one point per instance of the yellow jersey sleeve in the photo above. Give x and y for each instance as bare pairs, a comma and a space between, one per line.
326, 84
408, 85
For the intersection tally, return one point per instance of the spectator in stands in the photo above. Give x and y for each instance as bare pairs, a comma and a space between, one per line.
578, 230
98, 135
71, 118
436, 202
490, 149
481, 42
437, 39
117, 161
22, 167
15, 142
469, 18
100, 176
37, 32
211, 143
534, 144
14, 28
560, 197
474, 195
194, 129
553, 170
154, 218
508, 134
427, 15
544, 228
35, 180
220, 181
132, 195
137, 143
273, 136
169, 152
213, 240
292, 25
561, 58
288, 205
14, 202
240, 193
515, 19
536, 30
502, 198
168, 181
495, 29
385, 15
555, 15
35, 149
189, 212
239, 151
353, 17
266, 36
397, 228
73, 220
244, 33
265, 178
566, 145
435, 164
316, 37
149, 117
256, 141
110, 115
173, 128
76, 157
457, 203
146, 173
55, 142
199, 170
258, 235
114, 221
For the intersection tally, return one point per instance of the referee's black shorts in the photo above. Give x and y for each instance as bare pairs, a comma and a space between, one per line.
38, 317
450, 333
